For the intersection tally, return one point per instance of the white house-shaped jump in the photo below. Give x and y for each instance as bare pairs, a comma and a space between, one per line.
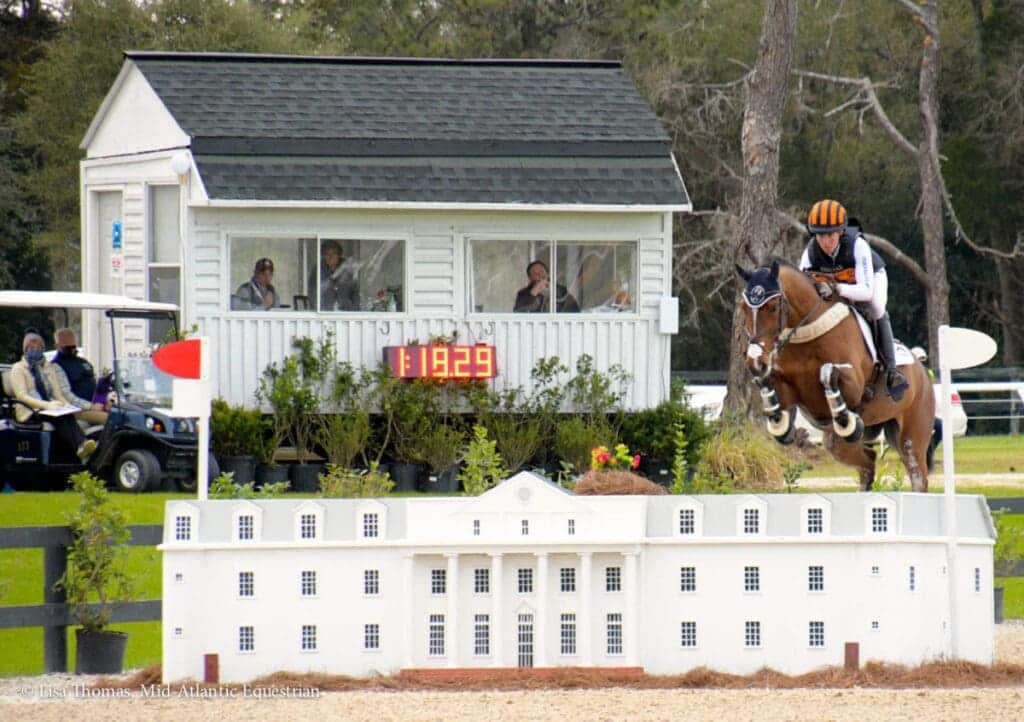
529, 575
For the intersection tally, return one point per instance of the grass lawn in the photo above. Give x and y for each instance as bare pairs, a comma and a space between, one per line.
21, 570
971, 455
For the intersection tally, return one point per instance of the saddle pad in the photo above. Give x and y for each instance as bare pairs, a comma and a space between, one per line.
903, 355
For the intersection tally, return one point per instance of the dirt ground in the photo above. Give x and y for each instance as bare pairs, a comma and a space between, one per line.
63, 697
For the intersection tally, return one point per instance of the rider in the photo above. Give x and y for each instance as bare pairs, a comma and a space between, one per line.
841, 249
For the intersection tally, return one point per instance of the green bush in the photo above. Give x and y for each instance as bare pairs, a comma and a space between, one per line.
576, 437
224, 487
652, 432
235, 430
484, 466
341, 483
742, 458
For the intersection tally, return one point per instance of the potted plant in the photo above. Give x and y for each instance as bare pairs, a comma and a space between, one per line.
345, 434
236, 434
442, 447
97, 576
291, 391
268, 471
414, 413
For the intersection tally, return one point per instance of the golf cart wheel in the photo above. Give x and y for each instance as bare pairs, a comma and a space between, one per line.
137, 470
188, 484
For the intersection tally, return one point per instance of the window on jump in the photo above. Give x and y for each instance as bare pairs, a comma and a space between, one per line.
543, 276
269, 273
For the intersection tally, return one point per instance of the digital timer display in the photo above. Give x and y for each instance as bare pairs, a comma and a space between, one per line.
441, 362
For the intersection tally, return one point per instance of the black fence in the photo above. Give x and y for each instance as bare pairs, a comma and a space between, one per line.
54, 614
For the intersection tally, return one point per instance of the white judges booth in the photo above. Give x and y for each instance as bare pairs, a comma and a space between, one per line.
437, 181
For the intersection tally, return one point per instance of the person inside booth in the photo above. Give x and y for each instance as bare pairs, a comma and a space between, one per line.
535, 297
258, 293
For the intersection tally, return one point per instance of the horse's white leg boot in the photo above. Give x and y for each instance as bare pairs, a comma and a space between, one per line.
778, 420
848, 425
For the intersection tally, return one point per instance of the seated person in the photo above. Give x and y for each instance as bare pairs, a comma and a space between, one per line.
35, 389
76, 378
535, 296
258, 293
339, 290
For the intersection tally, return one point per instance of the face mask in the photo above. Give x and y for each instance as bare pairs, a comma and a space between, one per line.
69, 350
34, 355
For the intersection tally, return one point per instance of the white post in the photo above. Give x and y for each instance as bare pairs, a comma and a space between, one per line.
949, 482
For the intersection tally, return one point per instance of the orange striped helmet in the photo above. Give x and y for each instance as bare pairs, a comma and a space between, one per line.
826, 217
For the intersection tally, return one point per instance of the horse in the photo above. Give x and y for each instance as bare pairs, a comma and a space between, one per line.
808, 352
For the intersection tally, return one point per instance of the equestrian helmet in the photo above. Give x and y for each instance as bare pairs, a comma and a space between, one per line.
826, 216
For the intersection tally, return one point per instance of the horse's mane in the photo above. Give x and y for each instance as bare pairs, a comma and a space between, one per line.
783, 263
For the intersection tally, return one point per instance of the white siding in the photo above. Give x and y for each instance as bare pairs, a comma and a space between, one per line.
135, 121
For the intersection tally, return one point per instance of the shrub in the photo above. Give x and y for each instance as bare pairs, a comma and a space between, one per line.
576, 437
341, 483
652, 432
740, 457
1009, 544
224, 487
484, 466
343, 437
235, 430
440, 447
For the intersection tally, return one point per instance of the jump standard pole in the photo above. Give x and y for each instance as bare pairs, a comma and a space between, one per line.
959, 348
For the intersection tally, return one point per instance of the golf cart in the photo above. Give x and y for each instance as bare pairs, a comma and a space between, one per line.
142, 445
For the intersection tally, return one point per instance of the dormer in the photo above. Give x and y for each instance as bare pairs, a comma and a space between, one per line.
688, 518
308, 522
182, 523
815, 517
246, 522
879, 515
371, 521
751, 517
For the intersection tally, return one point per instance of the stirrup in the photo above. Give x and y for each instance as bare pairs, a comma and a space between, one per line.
896, 383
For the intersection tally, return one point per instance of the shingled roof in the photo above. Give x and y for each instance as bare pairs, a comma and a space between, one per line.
285, 128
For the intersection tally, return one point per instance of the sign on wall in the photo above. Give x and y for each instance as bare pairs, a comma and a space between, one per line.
441, 362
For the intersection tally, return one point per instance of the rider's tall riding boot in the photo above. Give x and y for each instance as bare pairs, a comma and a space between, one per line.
895, 381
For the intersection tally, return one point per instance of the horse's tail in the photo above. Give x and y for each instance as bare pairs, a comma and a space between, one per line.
930, 454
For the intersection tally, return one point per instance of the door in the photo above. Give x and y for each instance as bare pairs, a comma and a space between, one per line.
525, 640
108, 212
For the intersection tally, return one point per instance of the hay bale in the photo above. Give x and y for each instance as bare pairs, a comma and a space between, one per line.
596, 483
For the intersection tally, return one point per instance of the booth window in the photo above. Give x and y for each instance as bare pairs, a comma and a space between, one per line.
588, 277
326, 275
163, 261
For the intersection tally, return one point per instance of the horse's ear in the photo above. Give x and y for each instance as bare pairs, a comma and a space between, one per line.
744, 273
775, 269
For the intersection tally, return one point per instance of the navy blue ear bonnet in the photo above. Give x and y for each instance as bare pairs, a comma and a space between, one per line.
762, 286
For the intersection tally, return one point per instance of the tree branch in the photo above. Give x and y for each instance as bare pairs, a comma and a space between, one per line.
867, 90
919, 18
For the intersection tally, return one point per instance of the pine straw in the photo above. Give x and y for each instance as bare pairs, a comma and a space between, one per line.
616, 482
951, 675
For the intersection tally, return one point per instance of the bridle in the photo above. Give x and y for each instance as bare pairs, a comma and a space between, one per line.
782, 332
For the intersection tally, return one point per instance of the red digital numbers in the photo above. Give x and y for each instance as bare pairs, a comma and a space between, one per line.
441, 362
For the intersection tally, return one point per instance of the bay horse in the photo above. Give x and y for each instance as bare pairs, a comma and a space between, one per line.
810, 353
